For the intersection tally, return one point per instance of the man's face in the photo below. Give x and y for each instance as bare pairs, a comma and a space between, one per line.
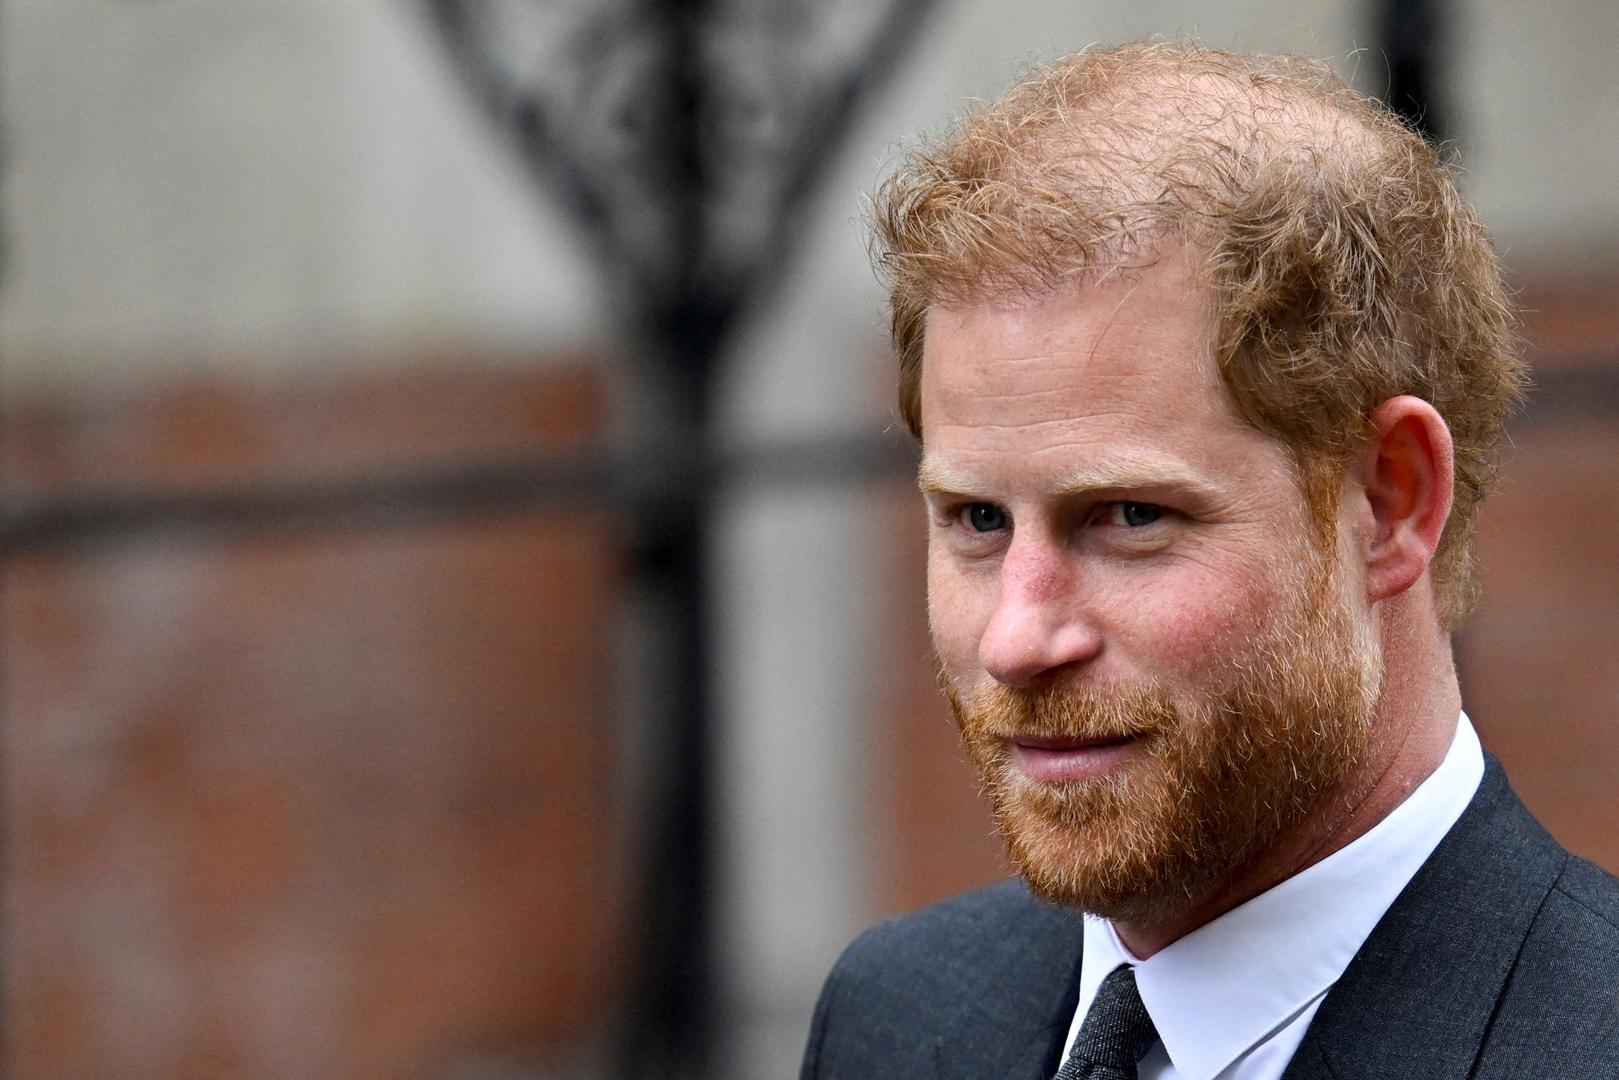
1158, 660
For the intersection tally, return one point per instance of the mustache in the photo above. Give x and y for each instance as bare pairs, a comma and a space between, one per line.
1065, 712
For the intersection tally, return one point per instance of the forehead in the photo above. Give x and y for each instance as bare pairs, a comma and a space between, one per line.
1090, 376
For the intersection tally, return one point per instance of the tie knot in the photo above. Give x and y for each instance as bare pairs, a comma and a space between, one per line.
1117, 1032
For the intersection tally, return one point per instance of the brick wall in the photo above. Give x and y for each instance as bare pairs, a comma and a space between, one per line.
308, 801
1537, 661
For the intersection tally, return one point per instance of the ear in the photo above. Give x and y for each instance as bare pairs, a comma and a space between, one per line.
1409, 473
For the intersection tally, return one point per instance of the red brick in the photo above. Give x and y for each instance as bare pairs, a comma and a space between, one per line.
311, 804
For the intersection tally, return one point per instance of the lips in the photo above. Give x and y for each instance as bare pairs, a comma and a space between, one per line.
1055, 760
1037, 742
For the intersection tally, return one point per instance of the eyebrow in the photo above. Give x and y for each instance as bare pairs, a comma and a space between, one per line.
935, 477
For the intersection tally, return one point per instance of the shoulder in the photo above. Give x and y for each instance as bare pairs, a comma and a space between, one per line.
1577, 928
1561, 1005
1500, 959
1573, 904
1592, 895
906, 982
975, 932
1559, 1009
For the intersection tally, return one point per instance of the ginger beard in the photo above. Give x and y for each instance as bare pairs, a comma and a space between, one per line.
1223, 767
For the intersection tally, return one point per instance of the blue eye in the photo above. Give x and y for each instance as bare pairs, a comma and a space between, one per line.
1137, 514
982, 517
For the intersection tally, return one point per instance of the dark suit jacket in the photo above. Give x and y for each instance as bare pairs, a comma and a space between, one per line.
1499, 959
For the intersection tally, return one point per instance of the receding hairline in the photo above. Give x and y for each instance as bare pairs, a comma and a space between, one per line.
1164, 129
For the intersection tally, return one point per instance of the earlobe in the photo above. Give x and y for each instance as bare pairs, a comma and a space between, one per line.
1409, 473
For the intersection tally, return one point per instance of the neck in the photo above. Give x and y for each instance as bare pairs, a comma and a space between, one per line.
1411, 732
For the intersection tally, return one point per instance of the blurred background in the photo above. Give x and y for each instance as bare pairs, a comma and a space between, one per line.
460, 610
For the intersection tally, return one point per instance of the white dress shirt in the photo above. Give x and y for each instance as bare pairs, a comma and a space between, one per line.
1231, 1000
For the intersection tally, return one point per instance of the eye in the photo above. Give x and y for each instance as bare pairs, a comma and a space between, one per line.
1137, 514
984, 517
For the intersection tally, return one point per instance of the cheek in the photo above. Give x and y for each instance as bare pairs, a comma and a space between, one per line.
1185, 621
957, 614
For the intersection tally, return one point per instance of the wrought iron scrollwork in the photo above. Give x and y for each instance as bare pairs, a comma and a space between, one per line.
685, 137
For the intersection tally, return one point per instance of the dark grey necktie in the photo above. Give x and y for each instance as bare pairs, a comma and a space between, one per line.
1116, 1034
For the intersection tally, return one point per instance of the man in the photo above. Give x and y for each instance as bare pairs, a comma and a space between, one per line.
1207, 357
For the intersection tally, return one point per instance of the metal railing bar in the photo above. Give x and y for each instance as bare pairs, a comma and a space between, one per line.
585, 480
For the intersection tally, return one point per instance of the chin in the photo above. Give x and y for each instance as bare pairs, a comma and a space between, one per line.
1113, 846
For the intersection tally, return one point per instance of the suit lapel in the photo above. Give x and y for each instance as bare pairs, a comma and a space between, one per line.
1015, 1030
1418, 997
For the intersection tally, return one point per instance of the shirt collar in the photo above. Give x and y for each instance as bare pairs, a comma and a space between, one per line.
1227, 986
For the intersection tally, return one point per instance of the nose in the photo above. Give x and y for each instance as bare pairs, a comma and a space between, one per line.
1038, 626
